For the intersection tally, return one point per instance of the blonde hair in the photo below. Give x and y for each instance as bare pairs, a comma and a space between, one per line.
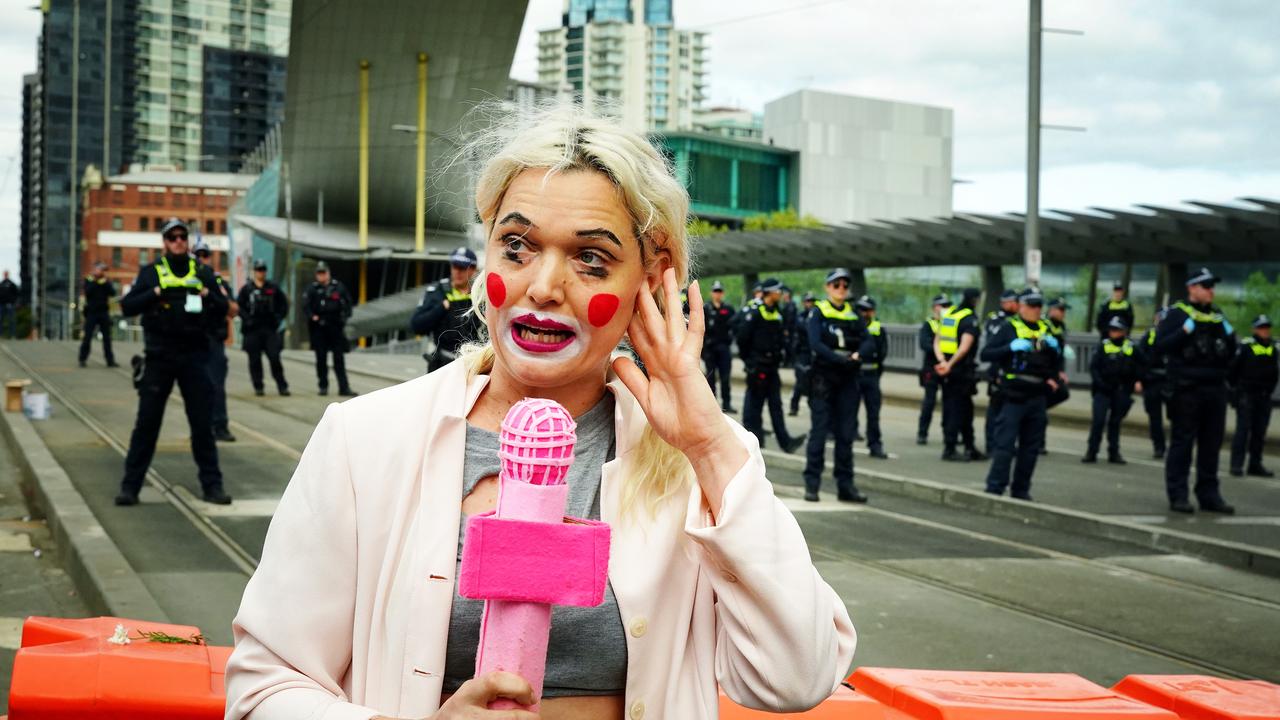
562, 137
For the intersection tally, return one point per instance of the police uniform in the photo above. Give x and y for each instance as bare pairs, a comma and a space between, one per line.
328, 305
877, 350
1059, 331
994, 321
98, 292
716, 346
1155, 388
217, 356
262, 309
1199, 344
449, 327
958, 386
1113, 370
175, 323
1028, 356
803, 355
761, 345
836, 333
928, 376
1253, 377
1122, 309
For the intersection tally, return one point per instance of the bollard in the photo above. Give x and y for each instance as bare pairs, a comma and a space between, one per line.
1200, 697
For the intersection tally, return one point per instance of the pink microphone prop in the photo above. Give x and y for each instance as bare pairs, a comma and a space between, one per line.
527, 556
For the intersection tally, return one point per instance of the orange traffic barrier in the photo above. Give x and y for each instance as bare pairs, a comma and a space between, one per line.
1200, 697
951, 695
72, 669
844, 704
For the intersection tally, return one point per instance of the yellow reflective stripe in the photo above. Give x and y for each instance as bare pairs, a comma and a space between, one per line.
831, 313
874, 327
1151, 336
933, 325
1112, 348
1025, 331
1260, 349
169, 280
456, 295
1198, 316
768, 314
1122, 305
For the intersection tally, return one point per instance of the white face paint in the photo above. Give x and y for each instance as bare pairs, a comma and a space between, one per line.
541, 336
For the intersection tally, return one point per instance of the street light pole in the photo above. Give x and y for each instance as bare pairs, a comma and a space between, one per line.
1032, 233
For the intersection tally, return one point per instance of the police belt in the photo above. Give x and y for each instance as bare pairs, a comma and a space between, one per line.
871, 366
1023, 377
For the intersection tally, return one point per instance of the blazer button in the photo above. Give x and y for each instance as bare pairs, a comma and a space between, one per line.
637, 710
639, 627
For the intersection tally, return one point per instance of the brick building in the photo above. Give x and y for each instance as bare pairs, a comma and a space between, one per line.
123, 216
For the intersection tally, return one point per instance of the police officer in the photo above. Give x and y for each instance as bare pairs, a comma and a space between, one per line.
178, 300
1057, 322
716, 346
328, 305
928, 376
836, 337
1253, 377
1119, 306
1199, 343
869, 374
761, 345
218, 331
98, 291
995, 320
1029, 358
1155, 388
264, 306
1114, 369
803, 353
955, 348
444, 313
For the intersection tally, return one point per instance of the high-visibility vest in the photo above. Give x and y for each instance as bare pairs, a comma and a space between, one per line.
168, 280
1112, 348
454, 296
770, 315
933, 325
830, 312
1263, 349
1199, 317
948, 329
1118, 305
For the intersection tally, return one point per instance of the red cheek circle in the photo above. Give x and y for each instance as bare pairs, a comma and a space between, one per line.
601, 309
496, 289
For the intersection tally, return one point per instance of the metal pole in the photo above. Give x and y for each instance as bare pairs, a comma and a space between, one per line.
420, 179
1033, 145
72, 241
364, 183
289, 272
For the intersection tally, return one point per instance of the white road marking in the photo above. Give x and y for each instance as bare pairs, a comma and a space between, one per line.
11, 632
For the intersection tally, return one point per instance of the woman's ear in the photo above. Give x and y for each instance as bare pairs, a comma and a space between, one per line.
653, 274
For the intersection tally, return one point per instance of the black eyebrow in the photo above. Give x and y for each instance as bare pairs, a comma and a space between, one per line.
600, 233
517, 218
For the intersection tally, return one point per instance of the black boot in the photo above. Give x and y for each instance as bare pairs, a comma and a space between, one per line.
1090, 457
1260, 471
1115, 458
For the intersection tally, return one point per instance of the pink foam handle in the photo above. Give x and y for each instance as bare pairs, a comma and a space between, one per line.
561, 564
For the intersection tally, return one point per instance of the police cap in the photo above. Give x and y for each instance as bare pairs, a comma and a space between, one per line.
1262, 321
808, 297
262, 265
970, 293
866, 302
172, 224
838, 274
1059, 302
771, 285
1117, 285
942, 300
462, 257
1009, 294
717, 286
1203, 277
1117, 323
322, 266
201, 248
1031, 296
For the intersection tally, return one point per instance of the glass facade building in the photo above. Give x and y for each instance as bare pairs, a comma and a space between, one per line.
730, 180
242, 99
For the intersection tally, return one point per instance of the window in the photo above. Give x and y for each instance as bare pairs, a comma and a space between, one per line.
144, 198
222, 227
116, 257
222, 261
159, 224
143, 223
209, 226
117, 223
117, 197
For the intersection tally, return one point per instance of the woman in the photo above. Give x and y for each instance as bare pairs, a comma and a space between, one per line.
353, 611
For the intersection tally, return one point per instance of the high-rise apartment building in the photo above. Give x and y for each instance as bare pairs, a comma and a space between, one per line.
121, 82
625, 57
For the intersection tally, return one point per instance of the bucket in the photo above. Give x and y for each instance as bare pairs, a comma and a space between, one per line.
35, 405
13, 395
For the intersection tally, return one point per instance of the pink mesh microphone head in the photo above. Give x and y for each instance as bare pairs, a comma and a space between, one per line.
536, 442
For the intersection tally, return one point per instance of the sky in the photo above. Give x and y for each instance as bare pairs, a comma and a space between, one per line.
1179, 99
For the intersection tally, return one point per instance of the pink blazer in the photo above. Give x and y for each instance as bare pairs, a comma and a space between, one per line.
348, 613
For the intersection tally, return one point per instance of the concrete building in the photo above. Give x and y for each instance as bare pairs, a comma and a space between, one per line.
123, 215
730, 122
121, 82
625, 57
729, 180
864, 159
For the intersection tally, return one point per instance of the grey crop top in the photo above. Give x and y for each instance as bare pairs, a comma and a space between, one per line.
587, 650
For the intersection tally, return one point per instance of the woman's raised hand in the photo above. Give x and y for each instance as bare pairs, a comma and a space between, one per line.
471, 702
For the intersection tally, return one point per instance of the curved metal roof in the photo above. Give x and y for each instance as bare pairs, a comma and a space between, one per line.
1245, 232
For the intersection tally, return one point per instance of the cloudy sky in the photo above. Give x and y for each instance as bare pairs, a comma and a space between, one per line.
1180, 98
